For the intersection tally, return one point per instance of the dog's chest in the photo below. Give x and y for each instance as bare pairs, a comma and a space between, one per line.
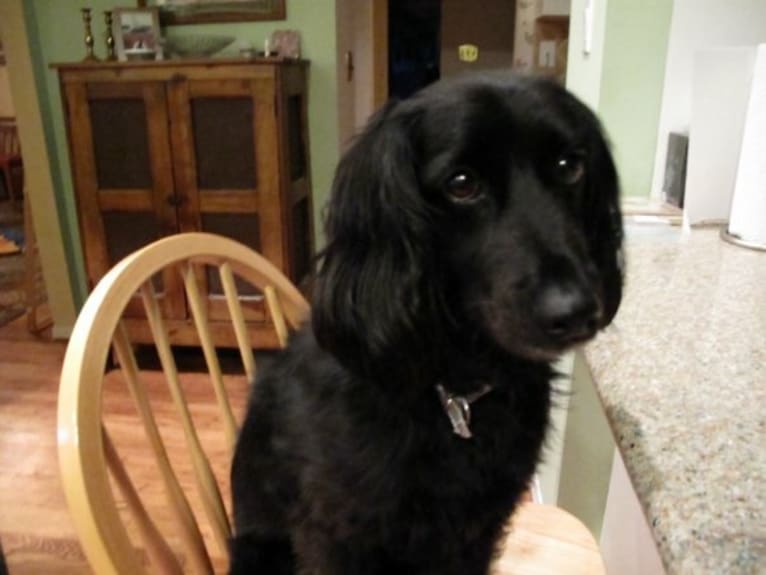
436, 482
501, 447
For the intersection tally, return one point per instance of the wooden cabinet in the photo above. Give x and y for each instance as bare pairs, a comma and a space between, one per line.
159, 148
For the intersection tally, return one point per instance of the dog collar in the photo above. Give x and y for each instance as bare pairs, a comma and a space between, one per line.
458, 408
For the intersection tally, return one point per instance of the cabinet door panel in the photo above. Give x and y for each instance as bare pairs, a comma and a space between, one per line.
296, 138
300, 239
294, 131
223, 143
120, 138
243, 228
225, 147
126, 232
123, 172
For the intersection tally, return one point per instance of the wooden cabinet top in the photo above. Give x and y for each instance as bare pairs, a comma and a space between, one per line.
166, 69
180, 62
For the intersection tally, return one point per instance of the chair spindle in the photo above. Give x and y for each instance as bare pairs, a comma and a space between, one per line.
199, 313
238, 319
160, 554
179, 505
206, 483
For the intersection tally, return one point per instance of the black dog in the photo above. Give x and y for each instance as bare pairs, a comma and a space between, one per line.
473, 235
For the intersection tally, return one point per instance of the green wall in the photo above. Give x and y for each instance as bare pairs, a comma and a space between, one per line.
632, 80
622, 79
584, 70
56, 35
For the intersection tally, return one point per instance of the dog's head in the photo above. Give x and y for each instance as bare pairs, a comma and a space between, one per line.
482, 209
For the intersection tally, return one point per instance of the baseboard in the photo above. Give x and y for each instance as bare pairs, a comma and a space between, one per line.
61, 331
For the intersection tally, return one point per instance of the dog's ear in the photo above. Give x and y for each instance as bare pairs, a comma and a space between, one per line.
369, 301
602, 207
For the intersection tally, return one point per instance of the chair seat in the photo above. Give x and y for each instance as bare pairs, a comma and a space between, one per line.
546, 540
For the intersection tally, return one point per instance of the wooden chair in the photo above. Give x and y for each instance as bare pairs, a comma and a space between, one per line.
87, 453
36, 297
10, 157
546, 540
117, 530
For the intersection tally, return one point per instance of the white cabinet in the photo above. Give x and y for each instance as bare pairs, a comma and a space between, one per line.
627, 545
583, 472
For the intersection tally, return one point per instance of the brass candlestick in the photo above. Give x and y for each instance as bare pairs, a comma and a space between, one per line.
110, 55
89, 55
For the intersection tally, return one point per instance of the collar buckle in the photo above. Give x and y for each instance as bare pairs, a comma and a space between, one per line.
458, 408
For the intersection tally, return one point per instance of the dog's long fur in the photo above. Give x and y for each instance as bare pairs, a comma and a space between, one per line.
461, 223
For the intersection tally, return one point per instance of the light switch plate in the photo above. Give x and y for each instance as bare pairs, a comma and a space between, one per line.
547, 54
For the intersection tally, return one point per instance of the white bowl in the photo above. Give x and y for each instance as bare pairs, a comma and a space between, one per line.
196, 45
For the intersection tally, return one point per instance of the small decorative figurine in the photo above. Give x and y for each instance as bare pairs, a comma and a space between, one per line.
89, 55
110, 54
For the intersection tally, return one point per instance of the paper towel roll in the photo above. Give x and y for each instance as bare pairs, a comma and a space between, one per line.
747, 221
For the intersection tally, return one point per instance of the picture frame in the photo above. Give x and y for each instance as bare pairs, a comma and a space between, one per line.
137, 34
173, 12
286, 43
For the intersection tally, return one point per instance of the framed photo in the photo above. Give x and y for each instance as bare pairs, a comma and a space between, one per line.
286, 43
208, 11
136, 34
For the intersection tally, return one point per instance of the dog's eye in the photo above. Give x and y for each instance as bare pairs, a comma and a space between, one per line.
463, 186
569, 169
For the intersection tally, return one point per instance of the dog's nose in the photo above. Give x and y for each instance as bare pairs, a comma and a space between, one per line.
568, 312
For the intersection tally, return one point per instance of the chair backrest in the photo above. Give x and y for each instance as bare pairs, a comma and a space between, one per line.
113, 520
9, 138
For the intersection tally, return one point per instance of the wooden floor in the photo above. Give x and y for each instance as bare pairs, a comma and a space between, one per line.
36, 530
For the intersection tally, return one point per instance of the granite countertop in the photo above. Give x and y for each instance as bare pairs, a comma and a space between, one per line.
682, 376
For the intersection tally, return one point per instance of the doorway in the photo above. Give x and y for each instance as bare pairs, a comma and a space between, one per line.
432, 39
392, 48
414, 45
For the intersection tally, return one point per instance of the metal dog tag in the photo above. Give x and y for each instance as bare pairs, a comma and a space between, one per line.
458, 411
